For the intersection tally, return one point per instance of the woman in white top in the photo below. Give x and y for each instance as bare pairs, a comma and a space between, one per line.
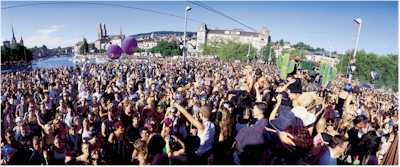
206, 129
86, 133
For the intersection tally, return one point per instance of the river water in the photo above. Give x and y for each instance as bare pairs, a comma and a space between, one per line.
51, 62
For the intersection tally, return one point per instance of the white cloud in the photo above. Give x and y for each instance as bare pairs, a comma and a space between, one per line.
46, 36
51, 29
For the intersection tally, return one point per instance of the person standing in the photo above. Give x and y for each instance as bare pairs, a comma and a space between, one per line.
206, 130
36, 157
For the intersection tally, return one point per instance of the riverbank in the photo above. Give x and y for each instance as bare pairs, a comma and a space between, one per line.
47, 62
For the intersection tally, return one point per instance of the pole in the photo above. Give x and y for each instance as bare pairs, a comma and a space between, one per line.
248, 53
355, 49
26, 61
184, 40
269, 56
261, 54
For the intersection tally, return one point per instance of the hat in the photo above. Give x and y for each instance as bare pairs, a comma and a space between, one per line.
302, 113
295, 87
284, 120
360, 118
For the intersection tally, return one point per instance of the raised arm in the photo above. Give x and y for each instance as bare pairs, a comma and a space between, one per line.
258, 94
39, 121
180, 151
189, 117
276, 107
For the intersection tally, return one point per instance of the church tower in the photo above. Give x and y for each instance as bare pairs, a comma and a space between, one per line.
21, 41
13, 41
104, 30
201, 36
100, 31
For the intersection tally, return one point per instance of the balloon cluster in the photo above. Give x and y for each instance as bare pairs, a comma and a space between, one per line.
129, 45
114, 52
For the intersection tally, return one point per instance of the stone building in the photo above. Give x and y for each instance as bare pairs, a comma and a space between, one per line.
257, 39
104, 40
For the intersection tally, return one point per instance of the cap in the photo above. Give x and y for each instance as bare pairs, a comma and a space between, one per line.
359, 119
295, 87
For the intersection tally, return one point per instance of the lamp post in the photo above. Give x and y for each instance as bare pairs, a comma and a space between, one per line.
248, 53
269, 55
188, 8
352, 61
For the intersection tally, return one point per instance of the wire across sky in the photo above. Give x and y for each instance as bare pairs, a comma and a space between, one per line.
200, 4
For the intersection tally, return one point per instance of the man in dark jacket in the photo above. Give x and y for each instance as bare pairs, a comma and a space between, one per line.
36, 157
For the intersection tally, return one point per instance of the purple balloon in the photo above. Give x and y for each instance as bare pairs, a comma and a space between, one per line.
114, 52
129, 45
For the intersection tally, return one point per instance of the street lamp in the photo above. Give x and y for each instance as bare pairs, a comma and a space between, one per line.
352, 64
188, 8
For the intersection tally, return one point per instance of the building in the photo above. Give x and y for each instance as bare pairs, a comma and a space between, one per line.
146, 44
322, 58
13, 40
280, 47
104, 40
77, 46
257, 40
21, 41
8, 44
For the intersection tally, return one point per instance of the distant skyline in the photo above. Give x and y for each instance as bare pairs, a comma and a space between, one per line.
326, 25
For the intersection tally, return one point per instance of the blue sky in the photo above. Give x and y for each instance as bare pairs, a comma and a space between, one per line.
320, 24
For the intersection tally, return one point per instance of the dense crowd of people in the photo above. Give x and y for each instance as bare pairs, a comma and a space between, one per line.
167, 112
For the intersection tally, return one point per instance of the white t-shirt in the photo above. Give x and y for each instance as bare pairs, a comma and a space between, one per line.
206, 138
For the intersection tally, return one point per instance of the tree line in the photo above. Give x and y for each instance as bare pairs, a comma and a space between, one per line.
15, 53
385, 65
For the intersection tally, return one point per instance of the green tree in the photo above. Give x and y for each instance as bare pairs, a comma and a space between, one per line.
16, 52
210, 48
230, 50
298, 52
102, 51
84, 48
301, 49
386, 65
268, 51
166, 48
281, 42
139, 50
303, 46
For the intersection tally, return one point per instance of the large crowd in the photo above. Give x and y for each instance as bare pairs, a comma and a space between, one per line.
167, 112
